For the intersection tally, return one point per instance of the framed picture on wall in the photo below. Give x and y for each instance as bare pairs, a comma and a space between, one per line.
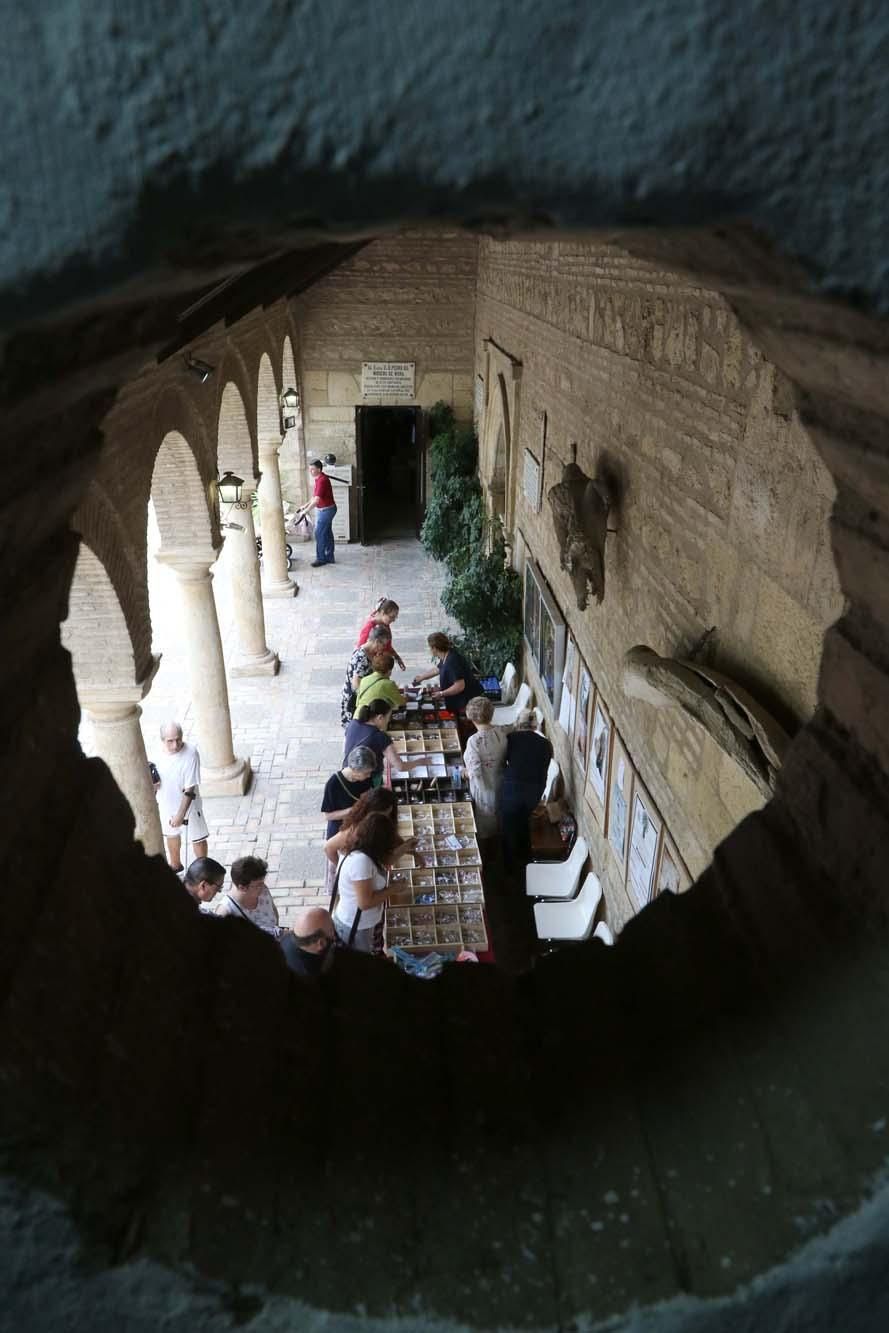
568, 702
599, 760
620, 791
582, 722
532, 611
553, 634
672, 876
645, 841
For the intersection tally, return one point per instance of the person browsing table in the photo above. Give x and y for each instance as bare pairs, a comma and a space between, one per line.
325, 512
368, 727
344, 788
456, 681
384, 616
377, 685
362, 888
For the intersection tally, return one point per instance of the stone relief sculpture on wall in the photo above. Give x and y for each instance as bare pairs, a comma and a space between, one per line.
580, 506
739, 725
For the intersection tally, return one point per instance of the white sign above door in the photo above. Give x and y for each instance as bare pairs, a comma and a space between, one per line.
388, 379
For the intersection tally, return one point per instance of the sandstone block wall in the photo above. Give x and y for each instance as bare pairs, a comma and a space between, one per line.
403, 298
722, 517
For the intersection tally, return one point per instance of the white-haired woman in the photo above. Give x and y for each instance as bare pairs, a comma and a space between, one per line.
343, 789
484, 758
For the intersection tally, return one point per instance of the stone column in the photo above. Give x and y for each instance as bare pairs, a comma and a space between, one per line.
114, 716
256, 657
222, 773
275, 579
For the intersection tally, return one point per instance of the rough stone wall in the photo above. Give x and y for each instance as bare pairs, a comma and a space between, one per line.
652, 1120
403, 298
670, 114
722, 517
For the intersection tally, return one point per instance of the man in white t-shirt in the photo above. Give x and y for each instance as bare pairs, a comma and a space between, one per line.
179, 795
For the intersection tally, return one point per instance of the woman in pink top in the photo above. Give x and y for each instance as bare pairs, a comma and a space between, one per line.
385, 614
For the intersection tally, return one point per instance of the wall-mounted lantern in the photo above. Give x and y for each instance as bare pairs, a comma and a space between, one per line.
230, 488
289, 404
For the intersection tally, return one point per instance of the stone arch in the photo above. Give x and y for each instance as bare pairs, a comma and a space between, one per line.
500, 429
236, 417
96, 631
497, 453
185, 516
268, 413
294, 463
502, 455
92, 620
288, 369
235, 448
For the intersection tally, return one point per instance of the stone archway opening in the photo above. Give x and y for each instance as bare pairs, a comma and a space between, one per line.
240, 557
638, 1095
110, 686
277, 441
294, 461
184, 506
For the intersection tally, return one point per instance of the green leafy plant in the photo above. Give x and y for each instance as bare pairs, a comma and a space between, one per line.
482, 593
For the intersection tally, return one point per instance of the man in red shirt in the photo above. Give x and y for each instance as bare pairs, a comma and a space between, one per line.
325, 512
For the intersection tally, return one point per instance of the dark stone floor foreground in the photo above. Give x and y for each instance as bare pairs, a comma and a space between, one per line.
614, 1127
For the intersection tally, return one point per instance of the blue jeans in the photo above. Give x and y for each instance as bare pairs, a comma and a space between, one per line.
324, 534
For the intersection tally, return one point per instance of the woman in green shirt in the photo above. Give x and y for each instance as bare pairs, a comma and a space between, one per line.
378, 685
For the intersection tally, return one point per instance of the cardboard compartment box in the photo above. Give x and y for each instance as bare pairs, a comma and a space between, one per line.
443, 928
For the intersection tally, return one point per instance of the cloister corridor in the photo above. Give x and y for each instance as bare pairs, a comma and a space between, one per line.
288, 725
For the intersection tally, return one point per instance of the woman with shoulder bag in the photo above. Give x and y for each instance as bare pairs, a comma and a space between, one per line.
361, 887
360, 665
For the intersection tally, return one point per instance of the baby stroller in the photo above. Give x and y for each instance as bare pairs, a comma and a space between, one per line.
299, 529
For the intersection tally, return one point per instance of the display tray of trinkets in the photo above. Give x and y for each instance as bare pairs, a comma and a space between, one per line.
426, 909
446, 928
428, 886
419, 821
440, 789
441, 852
420, 713
425, 740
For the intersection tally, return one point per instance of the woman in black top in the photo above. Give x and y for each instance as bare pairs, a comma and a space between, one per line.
527, 761
344, 788
457, 684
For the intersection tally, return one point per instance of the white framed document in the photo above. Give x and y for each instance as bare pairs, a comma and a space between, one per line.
645, 840
620, 793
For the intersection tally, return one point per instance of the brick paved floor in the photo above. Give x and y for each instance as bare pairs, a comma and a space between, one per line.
289, 725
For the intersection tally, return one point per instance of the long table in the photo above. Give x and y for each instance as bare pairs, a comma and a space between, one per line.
437, 905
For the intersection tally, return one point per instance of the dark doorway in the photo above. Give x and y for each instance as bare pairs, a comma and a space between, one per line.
391, 472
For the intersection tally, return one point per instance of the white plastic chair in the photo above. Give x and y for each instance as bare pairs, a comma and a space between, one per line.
556, 879
509, 683
553, 782
570, 921
539, 719
506, 714
603, 933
